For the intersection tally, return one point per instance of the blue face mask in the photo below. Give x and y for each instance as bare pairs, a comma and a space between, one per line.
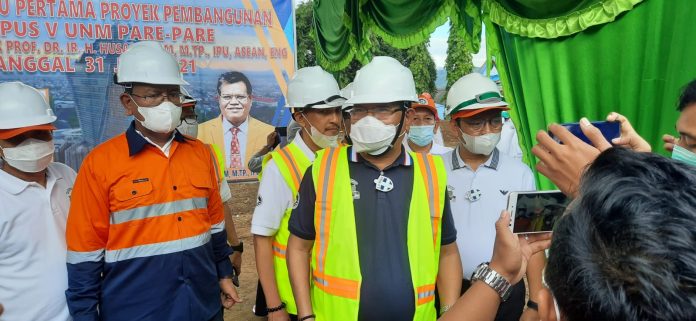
421, 135
684, 155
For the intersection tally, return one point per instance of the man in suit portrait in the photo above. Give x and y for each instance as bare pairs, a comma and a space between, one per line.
238, 133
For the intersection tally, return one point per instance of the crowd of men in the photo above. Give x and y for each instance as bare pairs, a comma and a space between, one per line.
360, 216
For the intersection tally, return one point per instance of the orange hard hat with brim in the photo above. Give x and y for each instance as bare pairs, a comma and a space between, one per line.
12, 132
473, 112
426, 101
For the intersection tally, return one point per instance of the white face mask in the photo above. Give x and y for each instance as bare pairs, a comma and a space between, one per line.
163, 118
323, 141
31, 156
371, 135
188, 129
483, 144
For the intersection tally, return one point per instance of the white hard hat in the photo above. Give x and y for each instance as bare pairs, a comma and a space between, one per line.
23, 106
473, 93
347, 92
313, 87
188, 101
383, 80
148, 62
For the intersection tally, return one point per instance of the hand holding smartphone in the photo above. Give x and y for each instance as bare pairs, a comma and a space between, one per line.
535, 212
610, 130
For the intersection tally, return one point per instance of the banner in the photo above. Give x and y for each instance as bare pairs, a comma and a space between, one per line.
237, 56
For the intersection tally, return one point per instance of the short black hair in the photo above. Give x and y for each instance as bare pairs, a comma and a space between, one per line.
688, 96
625, 249
232, 77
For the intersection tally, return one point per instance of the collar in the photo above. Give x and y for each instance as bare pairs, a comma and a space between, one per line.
403, 159
14, 185
303, 147
226, 125
491, 162
136, 142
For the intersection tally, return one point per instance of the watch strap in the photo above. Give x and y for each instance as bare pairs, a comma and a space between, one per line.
493, 279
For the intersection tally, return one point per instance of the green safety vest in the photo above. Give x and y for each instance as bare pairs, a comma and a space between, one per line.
335, 263
292, 163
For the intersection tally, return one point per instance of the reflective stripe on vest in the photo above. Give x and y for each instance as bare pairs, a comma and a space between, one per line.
292, 163
335, 262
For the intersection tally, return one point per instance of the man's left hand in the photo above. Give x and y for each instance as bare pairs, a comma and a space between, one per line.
512, 252
228, 293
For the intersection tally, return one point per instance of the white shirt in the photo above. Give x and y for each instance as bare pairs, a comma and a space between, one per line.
509, 143
435, 148
275, 196
475, 220
165, 148
33, 273
241, 136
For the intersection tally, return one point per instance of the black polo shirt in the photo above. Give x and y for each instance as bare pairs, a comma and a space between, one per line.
381, 221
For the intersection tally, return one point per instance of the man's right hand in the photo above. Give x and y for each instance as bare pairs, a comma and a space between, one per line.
272, 140
565, 163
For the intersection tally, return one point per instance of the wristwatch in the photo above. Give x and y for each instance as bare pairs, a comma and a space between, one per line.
238, 248
493, 279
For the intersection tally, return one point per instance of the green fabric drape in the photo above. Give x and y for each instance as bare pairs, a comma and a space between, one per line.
558, 18
342, 27
636, 66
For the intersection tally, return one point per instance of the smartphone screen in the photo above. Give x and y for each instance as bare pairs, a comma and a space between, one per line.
610, 130
536, 212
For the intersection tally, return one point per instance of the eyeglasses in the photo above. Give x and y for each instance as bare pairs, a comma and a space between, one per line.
379, 112
240, 98
151, 100
477, 125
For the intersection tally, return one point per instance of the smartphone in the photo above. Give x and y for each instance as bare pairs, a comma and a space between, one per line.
282, 135
609, 129
235, 277
535, 212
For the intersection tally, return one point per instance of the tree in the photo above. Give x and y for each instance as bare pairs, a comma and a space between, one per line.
305, 35
458, 62
423, 68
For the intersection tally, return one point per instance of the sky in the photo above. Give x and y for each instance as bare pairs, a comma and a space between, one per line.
438, 47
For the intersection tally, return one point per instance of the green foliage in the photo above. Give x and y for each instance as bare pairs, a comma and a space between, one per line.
305, 35
458, 62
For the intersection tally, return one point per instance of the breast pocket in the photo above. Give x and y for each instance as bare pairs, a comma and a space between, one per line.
131, 198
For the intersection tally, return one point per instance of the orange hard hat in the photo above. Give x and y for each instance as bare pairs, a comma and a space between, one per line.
426, 101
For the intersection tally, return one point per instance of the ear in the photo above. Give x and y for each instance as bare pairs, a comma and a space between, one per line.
299, 118
127, 103
408, 118
437, 125
547, 312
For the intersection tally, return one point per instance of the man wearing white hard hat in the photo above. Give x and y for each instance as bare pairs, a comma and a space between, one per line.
146, 232
314, 97
35, 197
371, 223
480, 178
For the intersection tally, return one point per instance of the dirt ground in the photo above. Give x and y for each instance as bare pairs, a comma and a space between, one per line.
245, 200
